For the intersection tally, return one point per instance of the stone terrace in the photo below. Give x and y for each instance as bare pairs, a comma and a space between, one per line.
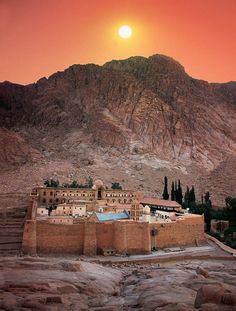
13, 208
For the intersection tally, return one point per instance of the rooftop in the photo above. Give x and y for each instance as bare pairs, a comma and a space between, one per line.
154, 201
112, 216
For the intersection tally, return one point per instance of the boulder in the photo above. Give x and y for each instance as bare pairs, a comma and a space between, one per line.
210, 293
202, 272
229, 299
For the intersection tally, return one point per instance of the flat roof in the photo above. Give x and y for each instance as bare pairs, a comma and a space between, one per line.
112, 216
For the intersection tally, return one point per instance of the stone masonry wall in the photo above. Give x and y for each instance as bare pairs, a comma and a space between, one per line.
123, 236
179, 233
59, 239
105, 235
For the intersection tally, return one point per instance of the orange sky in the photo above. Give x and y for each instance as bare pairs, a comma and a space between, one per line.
38, 38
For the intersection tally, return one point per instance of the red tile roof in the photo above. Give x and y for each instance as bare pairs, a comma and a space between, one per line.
154, 201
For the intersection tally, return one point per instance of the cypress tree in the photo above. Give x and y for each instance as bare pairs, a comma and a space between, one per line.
176, 192
172, 191
165, 194
207, 197
186, 196
192, 197
180, 194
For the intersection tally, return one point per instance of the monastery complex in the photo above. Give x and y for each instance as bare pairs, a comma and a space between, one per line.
99, 220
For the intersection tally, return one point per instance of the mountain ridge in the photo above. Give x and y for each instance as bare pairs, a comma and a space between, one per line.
146, 111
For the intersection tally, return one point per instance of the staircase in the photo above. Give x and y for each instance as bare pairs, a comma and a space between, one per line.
13, 208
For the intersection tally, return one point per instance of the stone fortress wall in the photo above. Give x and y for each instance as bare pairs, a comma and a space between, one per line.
124, 237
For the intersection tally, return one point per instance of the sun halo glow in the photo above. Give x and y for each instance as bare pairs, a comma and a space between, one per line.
125, 32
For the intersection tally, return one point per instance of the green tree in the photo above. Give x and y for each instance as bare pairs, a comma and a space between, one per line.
74, 184
172, 191
186, 197
192, 197
165, 194
180, 194
116, 185
89, 182
230, 203
51, 183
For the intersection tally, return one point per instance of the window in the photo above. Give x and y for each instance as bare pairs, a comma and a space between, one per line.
50, 200
51, 193
44, 193
44, 200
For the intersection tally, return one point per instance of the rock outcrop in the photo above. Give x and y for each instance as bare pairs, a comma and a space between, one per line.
60, 284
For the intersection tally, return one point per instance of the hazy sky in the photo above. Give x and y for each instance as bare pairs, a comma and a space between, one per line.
40, 37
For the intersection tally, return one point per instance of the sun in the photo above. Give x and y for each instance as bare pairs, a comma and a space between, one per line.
125, 31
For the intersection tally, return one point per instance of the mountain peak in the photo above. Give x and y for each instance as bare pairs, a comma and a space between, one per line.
139, 110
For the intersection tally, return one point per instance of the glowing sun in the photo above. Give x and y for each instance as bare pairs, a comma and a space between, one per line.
125, 31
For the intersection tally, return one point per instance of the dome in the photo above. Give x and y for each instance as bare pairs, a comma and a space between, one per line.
98, 183
146, 209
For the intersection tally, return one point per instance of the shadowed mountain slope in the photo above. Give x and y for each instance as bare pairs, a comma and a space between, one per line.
133, 120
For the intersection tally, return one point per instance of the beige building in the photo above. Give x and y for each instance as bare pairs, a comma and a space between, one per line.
78, 202
73, 208
81, 202
49, 196
42, 211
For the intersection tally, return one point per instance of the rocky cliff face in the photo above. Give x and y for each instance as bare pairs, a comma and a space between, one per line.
133, 120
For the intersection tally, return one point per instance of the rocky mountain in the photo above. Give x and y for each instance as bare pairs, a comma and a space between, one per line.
133, 121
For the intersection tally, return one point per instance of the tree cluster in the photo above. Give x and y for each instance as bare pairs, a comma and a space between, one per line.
176, 191
51, 183
189, 197
55, 184
116, 185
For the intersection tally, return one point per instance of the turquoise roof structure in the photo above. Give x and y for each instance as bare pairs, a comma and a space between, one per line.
112, 216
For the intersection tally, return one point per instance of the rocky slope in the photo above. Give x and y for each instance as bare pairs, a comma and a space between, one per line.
133, 121
60, 284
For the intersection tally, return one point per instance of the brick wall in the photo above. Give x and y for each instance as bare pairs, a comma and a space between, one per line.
123, 236
105, 235
29, 242
182, 232
90, 239
137, 238
131, 237
60, 239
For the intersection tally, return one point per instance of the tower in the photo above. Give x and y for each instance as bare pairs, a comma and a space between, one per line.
146, 214
136, 210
